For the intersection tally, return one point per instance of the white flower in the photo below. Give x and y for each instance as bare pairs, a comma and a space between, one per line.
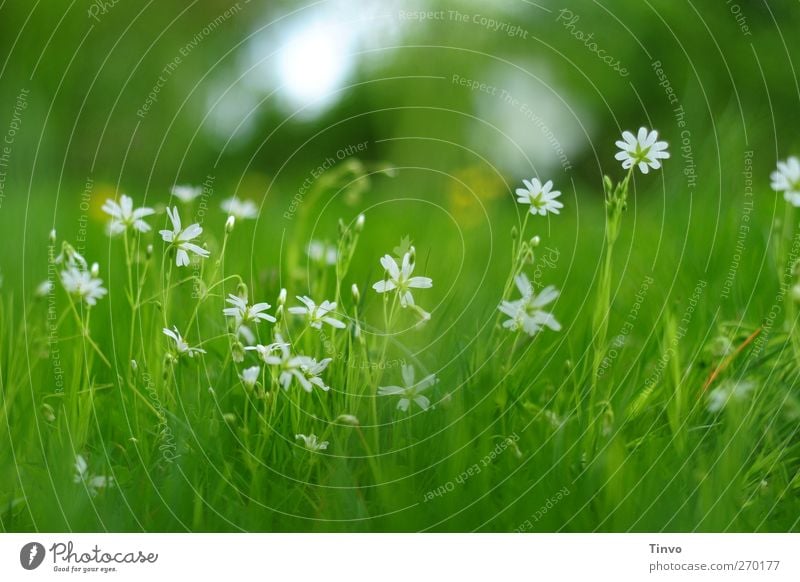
540, 196
92, 482
526, 313
124, 216
411, 391
186, 194
643, 150
730, 391
317, 314
83, 284
180, 344
69, 257
304, 369
240, 209
180, 238
322, 253
399, 278
44, 289
311, 442
250, 376
786, 179
265, 351
244, 313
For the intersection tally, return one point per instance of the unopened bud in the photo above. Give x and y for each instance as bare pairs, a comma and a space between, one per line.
241, 291
356, 294
134, 366
53, 236
237, 352
360, 223
229, 224
282, 297
413, 255
514, 233
149, 251
348, 419
535, 241
95, 269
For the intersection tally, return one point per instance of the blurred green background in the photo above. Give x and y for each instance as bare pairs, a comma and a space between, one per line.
426, 116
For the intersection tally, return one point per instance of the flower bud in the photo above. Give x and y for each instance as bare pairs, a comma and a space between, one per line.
53, 236
413, 255
796, 293
149, 251
237, 352
241, 291
134, 366
514, 233
535, 241
356, 294
229, 224
95, 269
348, 419
360, 223
282, 297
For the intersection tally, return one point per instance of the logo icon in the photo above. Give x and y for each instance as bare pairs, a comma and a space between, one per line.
31, 555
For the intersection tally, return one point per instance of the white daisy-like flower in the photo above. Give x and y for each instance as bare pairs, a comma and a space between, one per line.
786, 179
240, 209
83, 284
245, 314
265, 351
643, 150
411, 391
186, 194
399, 278
304, 369
541, 197
92, 482
124, 215
311, 442
322, 253
526, 314
44, 288
317, 314
180, 344
250, 376
731, 391
181, 238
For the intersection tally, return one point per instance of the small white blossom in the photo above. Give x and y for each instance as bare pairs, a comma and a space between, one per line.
124, 216
322, 253
44, 288
786, 179
642, 149
526, 313
250, 376
541, 197
317, 314
265, 351
304, 369
180, 238
399, 278
244, 313
731, 391
83, 284
186, 194
311, 442
241, 209
411, 390
180, 344
92, 482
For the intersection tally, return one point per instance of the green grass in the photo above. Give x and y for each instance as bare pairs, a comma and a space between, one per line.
519, 438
